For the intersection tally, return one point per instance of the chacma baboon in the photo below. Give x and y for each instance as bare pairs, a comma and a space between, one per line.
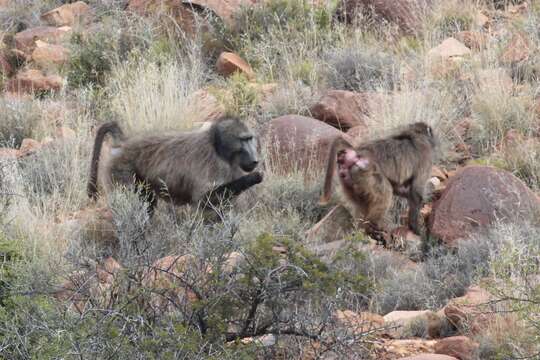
370, 174
208, 164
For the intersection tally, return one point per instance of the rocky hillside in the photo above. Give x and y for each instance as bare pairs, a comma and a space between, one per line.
274, 274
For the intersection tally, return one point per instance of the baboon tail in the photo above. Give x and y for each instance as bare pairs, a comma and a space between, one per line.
116, 132
338, 143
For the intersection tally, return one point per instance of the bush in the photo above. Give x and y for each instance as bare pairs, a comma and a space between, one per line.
361, 68
94, 52
19, 120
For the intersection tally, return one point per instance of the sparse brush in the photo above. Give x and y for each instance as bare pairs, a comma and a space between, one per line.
361, 68
20, 118
149, 96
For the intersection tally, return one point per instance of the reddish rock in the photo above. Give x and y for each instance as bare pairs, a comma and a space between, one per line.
471, 312
358, 133
298, 143
474, 40
438, 173
406, 14
517, 50
67, 14
333, 226
429, 357
29, 146
341, 109
449, 48
481, 21
167, 278
358, 323
207, 107
460, 347
31, 81
182, 13
25, 40
46, 55
479, 196
229, 63
8, 154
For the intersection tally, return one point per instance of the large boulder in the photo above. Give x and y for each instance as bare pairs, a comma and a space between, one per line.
472, 312
478, 196
31, 81
460, 347
358, 323
25, 41
67, 14
47, 55
298, 143
342, 109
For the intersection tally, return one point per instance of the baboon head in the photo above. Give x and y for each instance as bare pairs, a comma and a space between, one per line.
236, 144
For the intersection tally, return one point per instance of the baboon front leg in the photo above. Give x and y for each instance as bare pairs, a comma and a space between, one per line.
231, 189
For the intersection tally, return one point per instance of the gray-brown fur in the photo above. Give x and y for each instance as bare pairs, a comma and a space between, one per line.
183, 167
396, 165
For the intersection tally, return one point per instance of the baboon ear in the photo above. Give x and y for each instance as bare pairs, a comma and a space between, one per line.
363, 163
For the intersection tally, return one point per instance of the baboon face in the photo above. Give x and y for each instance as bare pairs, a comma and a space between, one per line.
350, 164
236, 144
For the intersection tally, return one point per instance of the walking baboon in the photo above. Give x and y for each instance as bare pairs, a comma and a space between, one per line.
373, 172
183, 167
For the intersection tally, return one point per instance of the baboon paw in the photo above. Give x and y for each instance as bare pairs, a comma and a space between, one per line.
256, 177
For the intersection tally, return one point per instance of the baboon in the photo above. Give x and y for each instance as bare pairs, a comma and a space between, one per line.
208, 164
373, 172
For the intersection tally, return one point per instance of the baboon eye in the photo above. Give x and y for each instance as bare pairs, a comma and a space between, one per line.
246, 138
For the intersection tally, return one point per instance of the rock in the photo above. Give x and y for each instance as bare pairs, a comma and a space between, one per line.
516, 51
229, 63
25, 40
358, 323
332, 227
358, 133
471, 312
31, 81
461, 347
478, 196
493, 80
95, 226
168, 276
8, 154
298, 143
438, 173
449, 48
405, 14
341, 109
95, 285
423, 321
67, 14
447, 57
49, 55
474, 40
429, 357
388, 349
480, 20
206, 106
29, 146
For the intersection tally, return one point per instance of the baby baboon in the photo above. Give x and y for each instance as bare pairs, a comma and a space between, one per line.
373, 172
183, 167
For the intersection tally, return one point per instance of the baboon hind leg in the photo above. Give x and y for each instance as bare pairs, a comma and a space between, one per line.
415, 200
229, 190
